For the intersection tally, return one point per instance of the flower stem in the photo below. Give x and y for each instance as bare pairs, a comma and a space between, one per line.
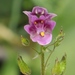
42, 62
49, 56
35, 50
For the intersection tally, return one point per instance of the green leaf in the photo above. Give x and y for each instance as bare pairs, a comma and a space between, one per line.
25, 41
63, 64
59, 38
23, 66
59, 66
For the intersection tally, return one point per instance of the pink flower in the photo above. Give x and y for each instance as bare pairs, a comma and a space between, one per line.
40, 25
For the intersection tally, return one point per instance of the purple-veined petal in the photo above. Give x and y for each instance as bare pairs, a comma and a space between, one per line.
37, 22
30, 29
34, 37
45, 40
27, 28
32, 19
42, 40
52, 24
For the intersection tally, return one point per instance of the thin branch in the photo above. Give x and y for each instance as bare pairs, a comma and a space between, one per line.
35, 50
49, 56
50, 45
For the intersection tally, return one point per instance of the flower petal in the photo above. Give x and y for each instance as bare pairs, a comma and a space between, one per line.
27, 28
39, 10
52, 15
30, 30
42, 17
42, 40
38, 21
27, 13
52, 24
45, 40
32, 19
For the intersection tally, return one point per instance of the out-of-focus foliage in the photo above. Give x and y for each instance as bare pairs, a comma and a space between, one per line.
12, 21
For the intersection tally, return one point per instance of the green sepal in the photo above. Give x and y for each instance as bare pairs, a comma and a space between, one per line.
59, 66
25, 41
23, 66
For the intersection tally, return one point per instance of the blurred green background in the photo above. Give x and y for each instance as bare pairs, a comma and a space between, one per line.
12, 21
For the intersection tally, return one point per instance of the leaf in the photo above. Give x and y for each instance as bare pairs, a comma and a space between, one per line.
59, 66
56, 68
63, 63
23, 66
25, 41
59, 38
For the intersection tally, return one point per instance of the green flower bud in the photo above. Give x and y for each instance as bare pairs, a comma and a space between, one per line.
25, 41
59, 38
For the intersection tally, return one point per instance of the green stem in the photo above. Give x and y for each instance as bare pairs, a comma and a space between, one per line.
35, 50
42, 62
50, 45
49, 56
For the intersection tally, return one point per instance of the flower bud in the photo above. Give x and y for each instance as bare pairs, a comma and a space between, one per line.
59, 38
25, 41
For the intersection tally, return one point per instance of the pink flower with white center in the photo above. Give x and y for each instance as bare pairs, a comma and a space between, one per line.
40, 27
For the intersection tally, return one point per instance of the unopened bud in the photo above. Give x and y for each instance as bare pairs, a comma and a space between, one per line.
59, 38
25, 41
